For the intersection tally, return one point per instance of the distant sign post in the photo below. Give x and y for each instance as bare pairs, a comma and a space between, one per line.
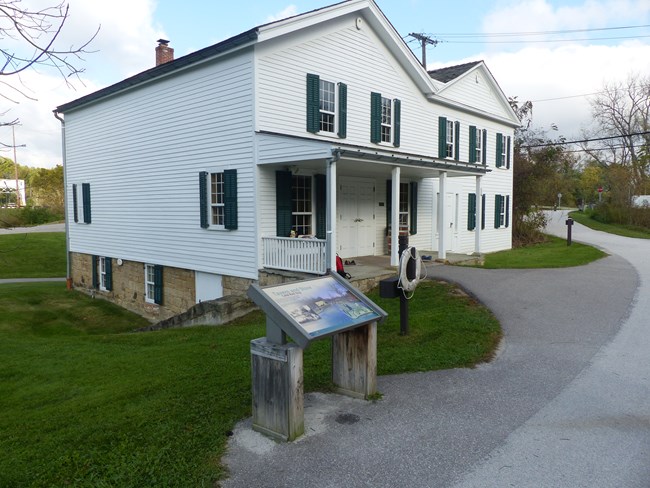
569, 224
306, 311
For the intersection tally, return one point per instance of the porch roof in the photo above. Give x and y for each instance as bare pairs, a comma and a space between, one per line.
415, 161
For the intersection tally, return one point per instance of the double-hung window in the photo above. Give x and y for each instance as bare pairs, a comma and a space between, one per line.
301, 205
404, 206
503, 151
449, 153
448, 139
326, 106
501, 211
82, 206
102, 274
477, 143
217, 198
385, 119
153, 283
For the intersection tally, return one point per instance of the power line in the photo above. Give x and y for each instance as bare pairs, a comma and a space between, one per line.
564, 143
539, 33
547, 40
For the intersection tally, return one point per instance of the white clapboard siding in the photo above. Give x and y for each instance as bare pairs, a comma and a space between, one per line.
144, 175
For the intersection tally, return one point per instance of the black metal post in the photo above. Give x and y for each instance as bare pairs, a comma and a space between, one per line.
569, 224
403, 302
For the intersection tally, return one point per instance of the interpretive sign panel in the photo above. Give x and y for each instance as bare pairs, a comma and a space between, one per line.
311, 309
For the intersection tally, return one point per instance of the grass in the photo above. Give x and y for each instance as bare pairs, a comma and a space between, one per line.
34, 255
84, 402
620, 230
554, 253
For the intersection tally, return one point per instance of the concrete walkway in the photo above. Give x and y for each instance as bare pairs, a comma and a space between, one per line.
565, 404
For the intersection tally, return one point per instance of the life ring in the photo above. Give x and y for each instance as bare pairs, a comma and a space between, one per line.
404, 283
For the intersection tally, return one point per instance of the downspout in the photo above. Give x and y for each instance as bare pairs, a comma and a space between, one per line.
68, 272
330, 253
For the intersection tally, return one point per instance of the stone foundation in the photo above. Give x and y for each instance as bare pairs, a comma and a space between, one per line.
179, 306
129, 287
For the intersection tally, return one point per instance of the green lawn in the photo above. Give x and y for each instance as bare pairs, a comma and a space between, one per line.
551, 254
621, 230
33, 255
84, 402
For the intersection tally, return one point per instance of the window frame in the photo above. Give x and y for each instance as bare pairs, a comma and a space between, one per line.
404, 217
321, 111
217, 209
479, 150
101, 263
297, 214
387, 128
450, 139
149, 285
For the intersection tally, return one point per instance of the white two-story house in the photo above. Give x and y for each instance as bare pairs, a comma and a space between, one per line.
277, 149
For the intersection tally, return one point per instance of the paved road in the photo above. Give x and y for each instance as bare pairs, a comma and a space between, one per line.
565, 403
38, 228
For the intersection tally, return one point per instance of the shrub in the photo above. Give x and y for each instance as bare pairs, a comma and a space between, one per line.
527, 228
28, 216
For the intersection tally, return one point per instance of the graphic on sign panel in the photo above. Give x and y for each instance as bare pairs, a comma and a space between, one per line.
321, 306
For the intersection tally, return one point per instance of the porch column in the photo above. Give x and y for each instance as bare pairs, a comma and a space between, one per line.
442, 217
331, 214
479, 213
394, 218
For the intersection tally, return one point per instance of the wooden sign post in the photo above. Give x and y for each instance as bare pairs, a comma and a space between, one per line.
306, 311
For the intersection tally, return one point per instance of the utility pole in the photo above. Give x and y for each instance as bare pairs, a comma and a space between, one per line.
424, 40
13, 133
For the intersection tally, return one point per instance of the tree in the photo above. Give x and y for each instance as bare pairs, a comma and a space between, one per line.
31, 39
621, 112
542, 168
47, 187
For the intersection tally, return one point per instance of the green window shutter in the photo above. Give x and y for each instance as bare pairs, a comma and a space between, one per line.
457, 141
283, 203
95, 274
321, 206
343, 110
471, 211
230, 199
497, 211
499, 161
108, 262
158, 284
472, 144
313, 103
507, 210
389, 201
413, 197
85, 195
442, 137
484, 148
483, 211
397, 116
375, 117
203, 199
508, 152
75, 203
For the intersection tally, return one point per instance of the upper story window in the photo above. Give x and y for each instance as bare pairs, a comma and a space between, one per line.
477, 143
82, 207
326, 106
448, 139
503, 151
385, 119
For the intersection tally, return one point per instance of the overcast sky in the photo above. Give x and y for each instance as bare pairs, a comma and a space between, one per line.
535, 67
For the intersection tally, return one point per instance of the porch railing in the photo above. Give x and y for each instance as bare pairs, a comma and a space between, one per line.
295, 254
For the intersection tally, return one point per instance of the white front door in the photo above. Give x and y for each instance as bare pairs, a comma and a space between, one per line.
451, 213
356, 219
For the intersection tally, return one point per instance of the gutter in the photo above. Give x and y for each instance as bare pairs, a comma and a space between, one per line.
68, 264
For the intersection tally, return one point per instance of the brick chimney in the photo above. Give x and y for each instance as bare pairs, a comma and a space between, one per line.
164, 53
